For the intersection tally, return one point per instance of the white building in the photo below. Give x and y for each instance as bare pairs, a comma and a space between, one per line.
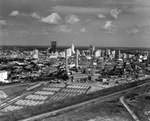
69, 52
35, 54
3, 76
113, 53
72, 49
108, 52
98, 53
62, 54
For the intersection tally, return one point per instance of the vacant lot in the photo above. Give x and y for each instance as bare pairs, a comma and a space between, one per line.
95, 112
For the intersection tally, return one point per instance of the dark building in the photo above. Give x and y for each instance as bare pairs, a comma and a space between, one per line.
91, 49
53, 46
117, 54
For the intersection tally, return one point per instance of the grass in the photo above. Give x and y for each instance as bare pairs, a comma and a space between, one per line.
13, 90
94, 112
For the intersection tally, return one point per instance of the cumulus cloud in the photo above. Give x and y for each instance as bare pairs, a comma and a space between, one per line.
3, 22
83, 30
14, 13
115, 13
133, 31
72, 19
63, 28
35, 16
101, 16
143, 24
107, 25
51, 19
111, 28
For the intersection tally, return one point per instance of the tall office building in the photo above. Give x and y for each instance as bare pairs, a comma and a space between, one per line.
91, 49
69, 52
72, 48
66, 61
107, 53
77, 59
53, 46
117, 54
98, 53
35, 54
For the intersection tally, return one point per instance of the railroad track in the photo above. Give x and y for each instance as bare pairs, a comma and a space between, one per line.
79, 105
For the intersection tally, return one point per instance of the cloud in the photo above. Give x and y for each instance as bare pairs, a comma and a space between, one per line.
143, 24
63, 28
101, 16
3, 22
133, 31
72, 19
14, 13
51, 19
107, 25
35, 16
140, 27
83, 30
111, 28
115, 13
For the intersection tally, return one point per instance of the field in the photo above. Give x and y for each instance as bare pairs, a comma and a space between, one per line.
95, 112
139, 102
13, 91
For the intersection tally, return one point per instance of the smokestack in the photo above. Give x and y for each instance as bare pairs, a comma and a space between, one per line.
66, 64
77, 59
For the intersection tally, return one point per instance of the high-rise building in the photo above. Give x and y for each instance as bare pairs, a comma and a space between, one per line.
113, 53
117, 54
98, 53
91, 49
66, 61
72, 49
53, 46
35, 54
69, 52
77, 59
107, 52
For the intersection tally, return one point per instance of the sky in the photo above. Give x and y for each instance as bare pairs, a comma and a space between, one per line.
114, 23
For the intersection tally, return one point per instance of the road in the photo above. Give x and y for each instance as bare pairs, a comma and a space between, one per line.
122, 100
66, 109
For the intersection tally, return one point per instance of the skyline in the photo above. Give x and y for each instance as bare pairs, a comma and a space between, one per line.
110, 23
